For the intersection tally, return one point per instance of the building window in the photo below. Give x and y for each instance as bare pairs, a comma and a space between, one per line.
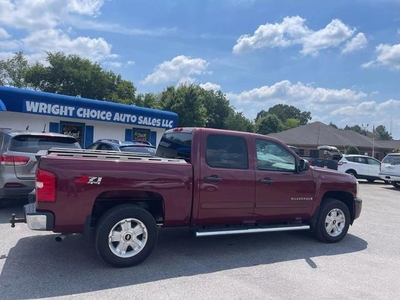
140, 134
73, 129
314, 153
301, 152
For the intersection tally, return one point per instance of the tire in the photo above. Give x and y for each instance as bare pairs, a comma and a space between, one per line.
135, 235
352, 172
396, 184
371, 180
333, 221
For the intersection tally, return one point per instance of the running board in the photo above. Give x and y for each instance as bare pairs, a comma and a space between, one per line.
251, 230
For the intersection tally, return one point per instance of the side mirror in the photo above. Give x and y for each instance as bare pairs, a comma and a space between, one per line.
304, 165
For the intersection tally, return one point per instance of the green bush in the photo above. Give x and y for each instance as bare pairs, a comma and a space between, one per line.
397, 150
352, 150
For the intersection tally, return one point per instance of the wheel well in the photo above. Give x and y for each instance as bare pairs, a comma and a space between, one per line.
346, 198
351, 171
150, 201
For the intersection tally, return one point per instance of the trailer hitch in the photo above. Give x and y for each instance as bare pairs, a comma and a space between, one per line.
14, 220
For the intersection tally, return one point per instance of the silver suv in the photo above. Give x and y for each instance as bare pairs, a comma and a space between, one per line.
390, 169
17, 159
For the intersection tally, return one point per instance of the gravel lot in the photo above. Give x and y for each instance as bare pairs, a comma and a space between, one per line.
291, 265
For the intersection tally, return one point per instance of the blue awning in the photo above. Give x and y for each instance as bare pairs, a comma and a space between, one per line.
34, 102
2, 106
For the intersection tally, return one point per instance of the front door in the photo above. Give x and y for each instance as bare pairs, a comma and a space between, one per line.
227, 182
282, 193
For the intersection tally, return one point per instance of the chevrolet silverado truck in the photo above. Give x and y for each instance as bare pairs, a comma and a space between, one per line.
215, 182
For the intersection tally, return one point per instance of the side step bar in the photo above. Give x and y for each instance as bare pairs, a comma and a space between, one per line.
251, 230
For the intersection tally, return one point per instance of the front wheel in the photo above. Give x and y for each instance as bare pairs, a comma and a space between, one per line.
125, 236
396, 184
333, 221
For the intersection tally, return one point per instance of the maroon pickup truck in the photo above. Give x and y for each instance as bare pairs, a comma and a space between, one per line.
214, 181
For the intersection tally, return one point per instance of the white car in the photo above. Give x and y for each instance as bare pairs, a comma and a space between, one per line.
360, 166
390, 169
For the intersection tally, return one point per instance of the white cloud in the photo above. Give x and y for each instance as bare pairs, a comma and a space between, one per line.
356, 43
210, 86
293, 31
3, 34
40, 14
52, 40
387, 56
315, 98
179, 67
186, 81
130, 63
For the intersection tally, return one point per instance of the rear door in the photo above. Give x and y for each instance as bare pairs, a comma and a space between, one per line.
361, 165
282, 193
373, 167
227, 181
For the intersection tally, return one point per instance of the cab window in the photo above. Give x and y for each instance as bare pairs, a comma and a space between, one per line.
226, 151
274, 157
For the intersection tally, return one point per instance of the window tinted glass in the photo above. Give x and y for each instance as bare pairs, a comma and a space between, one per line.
175, 145
392, 159
273, 157
372, 161
144, 150
225, 151
32, 144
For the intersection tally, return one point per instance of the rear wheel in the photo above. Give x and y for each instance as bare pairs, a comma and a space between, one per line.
371, 180
396, 184
125, 236
333, 221
352, 172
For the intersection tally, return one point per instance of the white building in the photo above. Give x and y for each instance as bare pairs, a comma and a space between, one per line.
86, 119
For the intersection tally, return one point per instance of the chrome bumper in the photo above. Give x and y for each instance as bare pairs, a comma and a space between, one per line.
35, 220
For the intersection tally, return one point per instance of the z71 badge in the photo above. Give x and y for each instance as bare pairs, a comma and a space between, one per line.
94, 180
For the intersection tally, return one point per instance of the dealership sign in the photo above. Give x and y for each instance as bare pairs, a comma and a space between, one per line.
52, 109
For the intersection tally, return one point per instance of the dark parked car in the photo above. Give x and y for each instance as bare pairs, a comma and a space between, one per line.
139, 147
17, 158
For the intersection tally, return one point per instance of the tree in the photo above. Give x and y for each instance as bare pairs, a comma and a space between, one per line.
352, 150
284, 112
187, 101
76, 76
237, 121
218, 108
13, 71
269, 124
333, 125
291, 123
382, 134
355, 128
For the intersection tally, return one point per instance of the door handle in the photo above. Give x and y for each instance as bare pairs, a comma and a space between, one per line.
266, 181
212, 178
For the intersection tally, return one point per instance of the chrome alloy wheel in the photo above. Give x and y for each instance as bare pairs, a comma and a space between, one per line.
335, 221
127, 238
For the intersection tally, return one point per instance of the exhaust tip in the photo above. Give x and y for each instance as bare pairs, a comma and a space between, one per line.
60, 238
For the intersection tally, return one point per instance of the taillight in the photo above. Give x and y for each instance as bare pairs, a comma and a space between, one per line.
342, 163
45, 186
11, 160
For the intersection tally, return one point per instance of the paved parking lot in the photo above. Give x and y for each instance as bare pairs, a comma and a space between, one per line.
292, 265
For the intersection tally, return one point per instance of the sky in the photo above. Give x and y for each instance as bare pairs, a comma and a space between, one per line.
339, 59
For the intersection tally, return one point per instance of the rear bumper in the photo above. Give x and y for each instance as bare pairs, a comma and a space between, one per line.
389, 177
357, 207
38, 220
15, 192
